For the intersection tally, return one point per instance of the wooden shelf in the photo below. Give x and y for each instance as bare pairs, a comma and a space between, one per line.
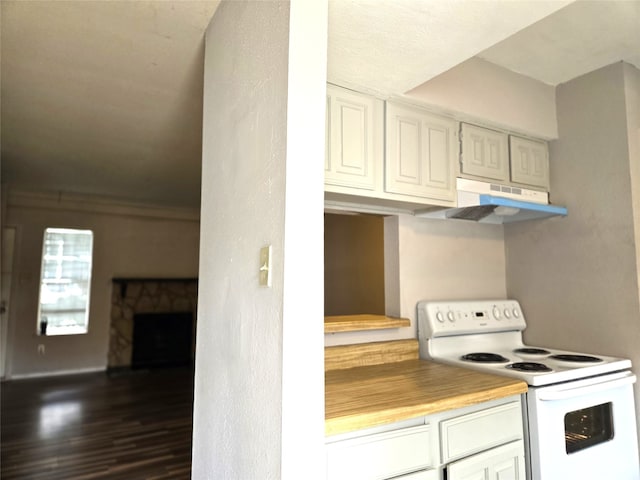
352, 323
366, 354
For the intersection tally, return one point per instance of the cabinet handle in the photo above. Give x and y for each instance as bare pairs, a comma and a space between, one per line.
566, 393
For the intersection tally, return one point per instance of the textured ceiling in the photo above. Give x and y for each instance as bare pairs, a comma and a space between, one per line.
580, 38
390, 47
105, 97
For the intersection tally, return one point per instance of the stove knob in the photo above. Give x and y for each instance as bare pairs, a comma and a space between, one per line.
507, 314
440, 317
516, 313
496, 313
451, 316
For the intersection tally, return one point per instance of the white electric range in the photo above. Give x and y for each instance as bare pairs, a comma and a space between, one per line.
579, 410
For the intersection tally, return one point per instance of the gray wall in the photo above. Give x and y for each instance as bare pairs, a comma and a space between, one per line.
128, 242
353, 264
434, 260
259, 387
480, 91
577, 277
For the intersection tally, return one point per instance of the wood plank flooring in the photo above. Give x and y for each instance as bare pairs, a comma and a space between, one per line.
96, 426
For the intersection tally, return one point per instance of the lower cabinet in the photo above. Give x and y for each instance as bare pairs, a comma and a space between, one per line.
381, 455
423, 475
501, 463
481, 442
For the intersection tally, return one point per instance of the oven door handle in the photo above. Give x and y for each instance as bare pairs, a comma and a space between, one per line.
565, 393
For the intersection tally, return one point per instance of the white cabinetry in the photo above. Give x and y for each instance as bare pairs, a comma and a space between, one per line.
354, 150
529, 162
484, 445
483, 442
400, 157
501, 463
417, 167
467, 434
420, 153
423, 475
484, 153
497, 157
380, 456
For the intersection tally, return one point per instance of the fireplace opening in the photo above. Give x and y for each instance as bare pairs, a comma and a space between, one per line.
162, 340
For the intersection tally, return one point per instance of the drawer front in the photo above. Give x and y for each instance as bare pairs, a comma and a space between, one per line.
380, 456
479, 431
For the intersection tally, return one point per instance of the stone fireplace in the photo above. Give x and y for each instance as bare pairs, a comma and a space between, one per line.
152, 322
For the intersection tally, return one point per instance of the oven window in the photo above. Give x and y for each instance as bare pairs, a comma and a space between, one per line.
587, 427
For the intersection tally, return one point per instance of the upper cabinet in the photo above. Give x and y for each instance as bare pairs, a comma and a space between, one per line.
497, 157
417, 167
395, 157
484, 153
420, 149
529, 162
354, 149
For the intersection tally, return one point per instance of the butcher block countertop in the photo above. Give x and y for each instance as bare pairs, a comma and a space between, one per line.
377, 394
352, 323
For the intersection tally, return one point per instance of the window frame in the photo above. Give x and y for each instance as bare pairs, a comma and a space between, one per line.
85, 278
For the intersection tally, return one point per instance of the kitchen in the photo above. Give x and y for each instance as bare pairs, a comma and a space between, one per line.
444, 268
271, 345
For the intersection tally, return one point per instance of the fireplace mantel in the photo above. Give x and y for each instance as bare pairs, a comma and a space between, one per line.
123, 282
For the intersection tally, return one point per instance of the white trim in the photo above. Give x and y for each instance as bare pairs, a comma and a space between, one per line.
57, 373
97, 204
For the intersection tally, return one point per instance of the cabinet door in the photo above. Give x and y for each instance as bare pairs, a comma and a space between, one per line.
420, 153
380, 456
529, 162
501, 463
350, 156
484, 153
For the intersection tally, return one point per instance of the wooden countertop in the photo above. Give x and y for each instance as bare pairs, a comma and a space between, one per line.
351, 323
373, 395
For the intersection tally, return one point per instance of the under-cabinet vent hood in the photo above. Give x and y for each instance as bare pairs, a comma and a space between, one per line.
492, 203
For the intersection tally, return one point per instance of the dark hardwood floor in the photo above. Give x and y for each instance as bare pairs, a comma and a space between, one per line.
96, 426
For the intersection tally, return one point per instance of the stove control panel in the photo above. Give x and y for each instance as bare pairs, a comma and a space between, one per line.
437, 319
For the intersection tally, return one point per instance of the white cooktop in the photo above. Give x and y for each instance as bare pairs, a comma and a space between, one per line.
449, 330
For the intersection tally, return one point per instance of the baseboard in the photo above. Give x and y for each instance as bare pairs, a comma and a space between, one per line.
57, 373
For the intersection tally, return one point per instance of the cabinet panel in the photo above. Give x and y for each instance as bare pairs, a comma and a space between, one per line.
350, 156
484, 153
420, 153
478, 431
424, 475
529, 162
380, 456
500, 463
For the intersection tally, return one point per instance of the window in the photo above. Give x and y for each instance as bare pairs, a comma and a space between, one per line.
65, 281
587, 427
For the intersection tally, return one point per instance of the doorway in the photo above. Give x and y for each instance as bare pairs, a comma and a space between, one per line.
8, 244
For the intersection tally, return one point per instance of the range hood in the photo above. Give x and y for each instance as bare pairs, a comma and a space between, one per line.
493, 203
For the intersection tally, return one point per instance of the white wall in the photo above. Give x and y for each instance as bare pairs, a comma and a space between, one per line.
259, 390
434, 260
480, 91
577, 277
128, 242
632, 94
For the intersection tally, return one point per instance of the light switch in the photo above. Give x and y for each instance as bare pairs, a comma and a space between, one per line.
264, 274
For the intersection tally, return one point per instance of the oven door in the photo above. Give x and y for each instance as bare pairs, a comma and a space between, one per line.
583, 429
